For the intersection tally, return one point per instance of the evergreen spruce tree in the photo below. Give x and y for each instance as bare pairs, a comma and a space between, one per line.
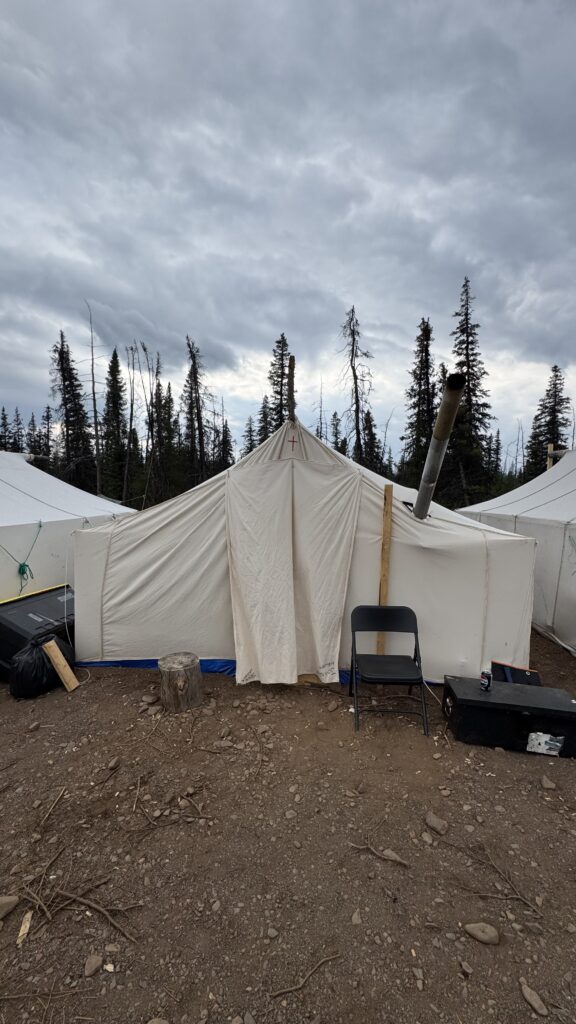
338, 442
77, 459
464, 478
550, 425
46, 427
278, 378
421, 399
33, 437
265, 425
226, 447
114, 431
372, 447
4, 431
194, 397
389, 465
249, 439
360, 380
16, 441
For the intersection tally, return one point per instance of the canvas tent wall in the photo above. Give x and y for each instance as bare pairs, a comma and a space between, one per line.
545, 509
260, 567
38, 514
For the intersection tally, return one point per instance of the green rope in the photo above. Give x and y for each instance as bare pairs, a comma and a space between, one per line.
24, 571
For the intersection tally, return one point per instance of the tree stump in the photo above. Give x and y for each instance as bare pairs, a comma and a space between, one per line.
180, 682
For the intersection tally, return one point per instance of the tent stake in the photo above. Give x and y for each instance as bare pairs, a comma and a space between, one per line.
385, 557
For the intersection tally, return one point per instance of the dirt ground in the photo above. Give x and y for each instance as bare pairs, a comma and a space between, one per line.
226, 849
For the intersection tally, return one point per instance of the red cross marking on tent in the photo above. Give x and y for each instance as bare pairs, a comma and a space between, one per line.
292, 440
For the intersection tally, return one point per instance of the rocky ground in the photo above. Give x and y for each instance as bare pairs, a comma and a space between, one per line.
256, 861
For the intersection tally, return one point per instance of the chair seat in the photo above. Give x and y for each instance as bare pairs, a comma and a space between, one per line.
387, 668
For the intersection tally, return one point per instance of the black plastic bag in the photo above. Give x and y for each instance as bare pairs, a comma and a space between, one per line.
31, 671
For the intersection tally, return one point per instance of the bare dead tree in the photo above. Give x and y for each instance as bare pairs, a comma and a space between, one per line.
358, 375
94, 408
131, 370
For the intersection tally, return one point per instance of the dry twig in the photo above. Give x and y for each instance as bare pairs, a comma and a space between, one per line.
296, 988
63, 906
488, 861
387, 855
52, 806
75, 898
137, 795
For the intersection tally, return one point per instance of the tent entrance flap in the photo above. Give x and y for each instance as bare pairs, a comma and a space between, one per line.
290, 528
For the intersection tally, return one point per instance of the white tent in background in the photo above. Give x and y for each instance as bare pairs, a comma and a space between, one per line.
261, 567
38, 514
545, 509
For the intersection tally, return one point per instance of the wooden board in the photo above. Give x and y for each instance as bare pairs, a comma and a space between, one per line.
385, 557
61, 666
309, 679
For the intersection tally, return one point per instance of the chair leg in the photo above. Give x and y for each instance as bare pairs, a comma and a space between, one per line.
424, 709
356, 706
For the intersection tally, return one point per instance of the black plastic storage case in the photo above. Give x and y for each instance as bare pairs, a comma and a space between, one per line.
509, 715
32, 616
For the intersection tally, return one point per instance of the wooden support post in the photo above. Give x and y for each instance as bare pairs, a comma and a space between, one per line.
385, 557
61, 666
180, 681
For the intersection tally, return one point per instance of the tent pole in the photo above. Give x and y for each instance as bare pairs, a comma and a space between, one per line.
385, 557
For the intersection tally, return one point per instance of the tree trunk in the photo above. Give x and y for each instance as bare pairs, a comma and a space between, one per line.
180, 682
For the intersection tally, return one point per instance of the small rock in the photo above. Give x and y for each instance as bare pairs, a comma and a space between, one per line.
356, 917
37, 804
248, 1018
149, 698
483, 932
34, 727
161, 1020
436, 824
571, 928
156, 813
532, 998
109, 968
465, 968
93, 965
272, 933
7, 904
237, 1020
290, 814
333, 705
216, 906
547, 783
436, 756
322, 726
445, 792
114, 763
427, 838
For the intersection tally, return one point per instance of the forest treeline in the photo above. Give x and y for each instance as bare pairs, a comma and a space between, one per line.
138, 446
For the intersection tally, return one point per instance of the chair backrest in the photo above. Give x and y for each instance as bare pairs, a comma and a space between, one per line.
387, 618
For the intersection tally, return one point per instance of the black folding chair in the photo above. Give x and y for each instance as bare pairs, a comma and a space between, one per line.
386, 669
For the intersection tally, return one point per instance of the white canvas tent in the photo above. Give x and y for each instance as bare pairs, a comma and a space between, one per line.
262, 565
545, 509
37, 516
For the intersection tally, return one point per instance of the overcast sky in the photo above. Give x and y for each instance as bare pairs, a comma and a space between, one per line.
233, 169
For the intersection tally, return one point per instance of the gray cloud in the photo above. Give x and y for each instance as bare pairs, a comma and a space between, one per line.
232, 171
